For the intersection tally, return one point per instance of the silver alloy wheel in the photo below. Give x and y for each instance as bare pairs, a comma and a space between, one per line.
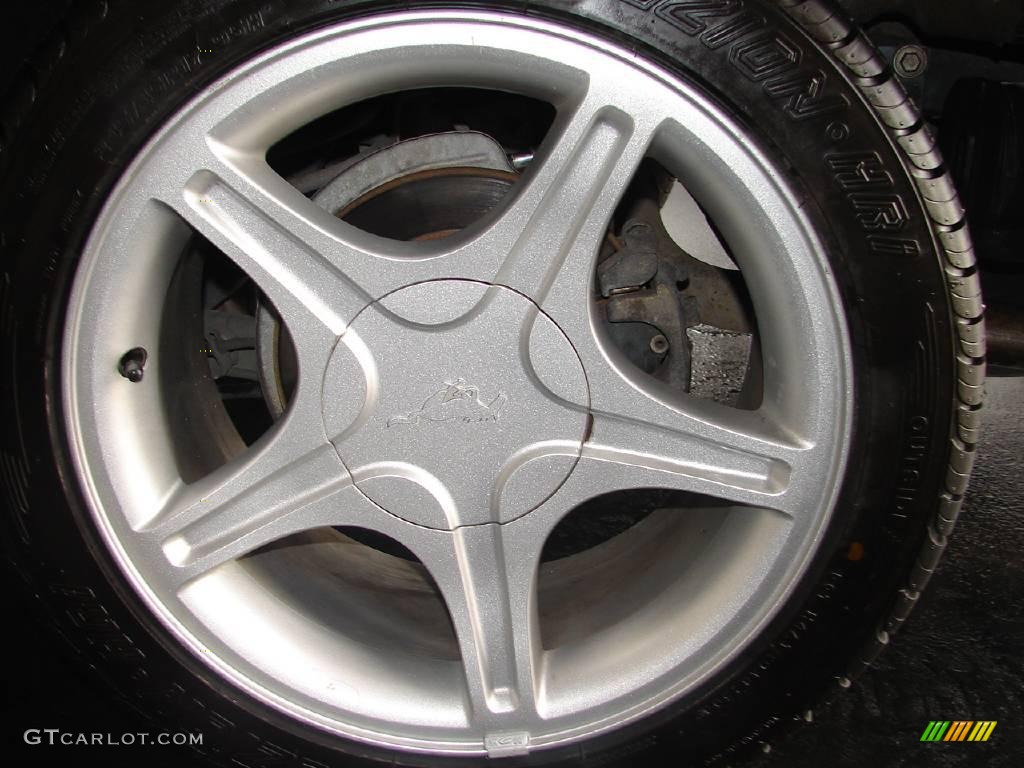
553, 415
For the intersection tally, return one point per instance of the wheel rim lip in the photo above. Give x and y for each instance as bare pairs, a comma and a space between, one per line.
171, 621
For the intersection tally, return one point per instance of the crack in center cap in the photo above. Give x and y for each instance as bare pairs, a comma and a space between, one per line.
456, 402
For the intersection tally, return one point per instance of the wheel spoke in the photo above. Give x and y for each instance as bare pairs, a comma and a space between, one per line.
737, 463
731, 463
285, 483
299, 255
563, 210
488, 581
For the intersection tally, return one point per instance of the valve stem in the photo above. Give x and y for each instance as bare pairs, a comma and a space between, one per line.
132, 364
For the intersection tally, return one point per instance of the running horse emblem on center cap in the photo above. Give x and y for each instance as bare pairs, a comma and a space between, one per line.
455, 401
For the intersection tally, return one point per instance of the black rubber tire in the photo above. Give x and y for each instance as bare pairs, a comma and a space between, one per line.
839, 128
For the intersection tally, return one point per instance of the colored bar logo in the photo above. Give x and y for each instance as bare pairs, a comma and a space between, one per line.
958, 730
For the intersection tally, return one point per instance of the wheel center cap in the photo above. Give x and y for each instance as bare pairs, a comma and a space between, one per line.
454, 402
